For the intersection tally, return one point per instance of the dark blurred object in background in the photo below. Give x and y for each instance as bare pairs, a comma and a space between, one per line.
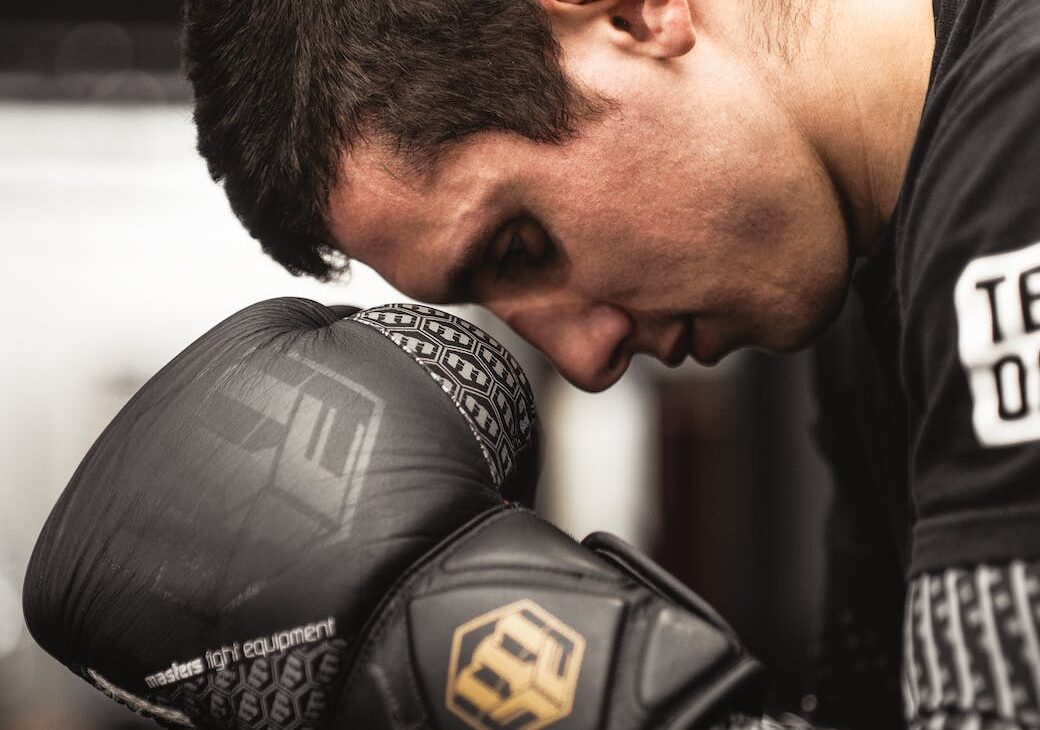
91, 51
120, 11
743, 497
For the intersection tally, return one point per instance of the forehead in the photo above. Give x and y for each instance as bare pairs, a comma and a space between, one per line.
399, 220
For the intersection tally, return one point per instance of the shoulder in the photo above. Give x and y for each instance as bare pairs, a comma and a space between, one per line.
974, 175
977, 142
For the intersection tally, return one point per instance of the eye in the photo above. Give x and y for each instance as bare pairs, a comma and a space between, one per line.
513, 257
524, 249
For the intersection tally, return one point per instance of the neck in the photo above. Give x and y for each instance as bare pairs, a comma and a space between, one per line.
856, 86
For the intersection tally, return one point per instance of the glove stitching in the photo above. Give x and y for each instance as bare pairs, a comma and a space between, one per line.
135, 704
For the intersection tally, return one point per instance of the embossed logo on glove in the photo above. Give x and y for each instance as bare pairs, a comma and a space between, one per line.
516, 666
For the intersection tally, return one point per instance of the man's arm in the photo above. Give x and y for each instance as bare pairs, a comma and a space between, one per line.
971, 651
972, 656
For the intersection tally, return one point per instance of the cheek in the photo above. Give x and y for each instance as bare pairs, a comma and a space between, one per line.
695, 215
623, 264
794, 276
621, 205
627, 244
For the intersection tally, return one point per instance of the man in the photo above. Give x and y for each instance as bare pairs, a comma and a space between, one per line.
686, 177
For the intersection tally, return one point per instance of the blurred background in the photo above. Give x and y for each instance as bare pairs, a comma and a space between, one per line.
116, 251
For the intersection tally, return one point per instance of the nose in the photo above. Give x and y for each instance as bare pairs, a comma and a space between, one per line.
586, 342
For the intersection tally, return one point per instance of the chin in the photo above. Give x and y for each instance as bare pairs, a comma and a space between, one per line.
801, 330
818, 306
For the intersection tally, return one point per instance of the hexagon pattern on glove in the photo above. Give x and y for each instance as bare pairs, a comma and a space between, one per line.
481, 377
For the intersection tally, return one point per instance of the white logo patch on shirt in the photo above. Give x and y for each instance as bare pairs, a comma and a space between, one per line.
998, 316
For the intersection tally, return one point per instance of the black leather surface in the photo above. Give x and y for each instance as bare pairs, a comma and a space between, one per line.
514, 545
680, 650
647, 663
285, 468
291, 526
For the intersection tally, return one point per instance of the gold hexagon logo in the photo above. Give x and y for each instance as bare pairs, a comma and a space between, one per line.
514, 667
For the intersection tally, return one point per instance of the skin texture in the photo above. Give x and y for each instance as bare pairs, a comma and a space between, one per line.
718, 206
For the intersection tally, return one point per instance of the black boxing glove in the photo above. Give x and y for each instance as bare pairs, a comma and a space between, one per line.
305, 521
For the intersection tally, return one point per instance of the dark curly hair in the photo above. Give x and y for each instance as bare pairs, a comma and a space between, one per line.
284, 87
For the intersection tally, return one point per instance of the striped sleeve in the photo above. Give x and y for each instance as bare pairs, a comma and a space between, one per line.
971, 652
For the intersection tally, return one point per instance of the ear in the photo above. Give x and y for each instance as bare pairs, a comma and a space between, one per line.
655, 28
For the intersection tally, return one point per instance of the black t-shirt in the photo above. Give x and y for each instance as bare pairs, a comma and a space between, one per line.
930, 386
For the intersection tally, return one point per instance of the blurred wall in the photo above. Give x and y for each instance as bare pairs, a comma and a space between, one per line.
117, 252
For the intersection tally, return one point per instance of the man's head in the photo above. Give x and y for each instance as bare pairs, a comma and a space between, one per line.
283, 88
610, 177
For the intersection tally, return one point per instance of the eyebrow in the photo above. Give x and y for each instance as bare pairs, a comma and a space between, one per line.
459, 280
